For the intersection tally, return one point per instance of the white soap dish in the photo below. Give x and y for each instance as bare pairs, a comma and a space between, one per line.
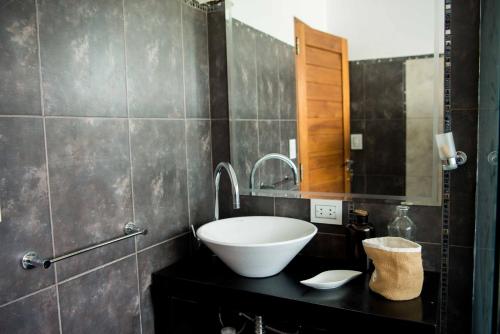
331, 279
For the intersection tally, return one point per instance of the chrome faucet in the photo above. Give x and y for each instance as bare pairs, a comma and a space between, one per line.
234, 186
270, 156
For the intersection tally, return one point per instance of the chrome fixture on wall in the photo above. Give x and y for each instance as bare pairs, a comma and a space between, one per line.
271, 156
234, 186
32, 260
450, 157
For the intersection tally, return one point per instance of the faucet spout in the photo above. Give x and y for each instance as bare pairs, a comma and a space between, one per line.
276, 156
234, 186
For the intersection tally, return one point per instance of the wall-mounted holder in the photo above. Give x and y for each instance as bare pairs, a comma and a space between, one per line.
450, 157
32, 260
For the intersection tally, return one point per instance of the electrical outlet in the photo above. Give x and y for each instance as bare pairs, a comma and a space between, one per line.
326, 211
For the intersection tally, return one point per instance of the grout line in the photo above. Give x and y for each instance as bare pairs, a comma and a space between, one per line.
130, 164
95, 269
260, 119
281, 167
256, 68
23, 116
163, 242
49, 197
185, 114
210, 116
450, 245
113, 117
28, 295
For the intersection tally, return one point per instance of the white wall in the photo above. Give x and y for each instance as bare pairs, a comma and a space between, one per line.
386, 28
275, 17
374, 28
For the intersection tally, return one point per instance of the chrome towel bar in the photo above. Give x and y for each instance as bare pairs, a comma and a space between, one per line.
32, 260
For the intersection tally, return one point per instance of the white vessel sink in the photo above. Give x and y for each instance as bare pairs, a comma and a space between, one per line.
256, 246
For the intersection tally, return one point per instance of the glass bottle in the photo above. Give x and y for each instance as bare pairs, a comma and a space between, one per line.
402, 226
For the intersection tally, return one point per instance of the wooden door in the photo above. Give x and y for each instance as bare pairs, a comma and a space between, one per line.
323, 122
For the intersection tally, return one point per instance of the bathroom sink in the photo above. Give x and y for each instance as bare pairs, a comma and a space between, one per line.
256, 246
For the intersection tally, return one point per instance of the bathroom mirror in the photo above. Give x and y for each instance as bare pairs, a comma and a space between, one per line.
350, 92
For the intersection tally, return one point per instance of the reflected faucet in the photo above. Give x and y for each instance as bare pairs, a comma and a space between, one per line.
271, 156
234, 186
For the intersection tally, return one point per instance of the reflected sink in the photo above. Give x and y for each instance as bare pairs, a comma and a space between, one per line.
256, 246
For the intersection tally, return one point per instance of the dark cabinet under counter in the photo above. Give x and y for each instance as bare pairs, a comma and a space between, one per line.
189, 295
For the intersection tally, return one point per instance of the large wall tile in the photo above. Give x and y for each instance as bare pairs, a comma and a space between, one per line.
160, 178
460, 289
463, 179
287, 89
293, 208
25, 206
384, 90
34, 314
219, 107
220, 142
103, 301
254, 206
326, 245
244, 72
151, 260
288, 131
431, 256
199, 167
357, 90
154, 58
244, 149
19, 82
465, 20
83, 61
90, 189
384, 147
267, 76
196, 74
385, 185
269, 142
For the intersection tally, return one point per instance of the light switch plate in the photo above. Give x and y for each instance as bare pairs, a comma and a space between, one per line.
326, 211
356, 141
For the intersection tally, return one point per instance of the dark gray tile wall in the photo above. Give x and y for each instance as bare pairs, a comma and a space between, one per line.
121, 132
153, 260
90, 188
154, 30
85, 38
378, 112
112, 302
20, 81
196, 76
217, 51
40, 309
25, 205
263, 115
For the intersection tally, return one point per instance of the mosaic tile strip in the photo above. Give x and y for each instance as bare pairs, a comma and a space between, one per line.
445, 224
206, 7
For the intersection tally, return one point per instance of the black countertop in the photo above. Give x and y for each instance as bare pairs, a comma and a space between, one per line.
207, 276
